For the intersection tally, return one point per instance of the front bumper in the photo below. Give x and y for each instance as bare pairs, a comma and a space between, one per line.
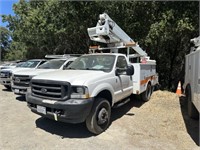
70, 111
5, 81
19, 90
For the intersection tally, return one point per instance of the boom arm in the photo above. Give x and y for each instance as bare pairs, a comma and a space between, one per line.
107, 31
195, 44
196, 41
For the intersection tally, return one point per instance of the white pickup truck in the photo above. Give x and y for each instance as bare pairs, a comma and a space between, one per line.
21, 79
88, 89
8, 66
6, 74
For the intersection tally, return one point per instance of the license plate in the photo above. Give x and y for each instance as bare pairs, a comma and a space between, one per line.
16, 90
41, 109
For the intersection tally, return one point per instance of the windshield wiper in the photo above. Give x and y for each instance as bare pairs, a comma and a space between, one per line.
95, 69
44, 68
70, 68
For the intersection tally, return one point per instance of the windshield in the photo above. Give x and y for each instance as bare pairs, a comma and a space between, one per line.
29, 64
12, 64
5, 64
20, 64
93, 62
52, 64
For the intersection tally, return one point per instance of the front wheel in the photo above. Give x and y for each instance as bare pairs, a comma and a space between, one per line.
99, 117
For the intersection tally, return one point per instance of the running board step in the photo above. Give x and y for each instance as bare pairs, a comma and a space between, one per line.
121, 103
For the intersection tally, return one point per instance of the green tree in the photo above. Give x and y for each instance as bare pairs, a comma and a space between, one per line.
17, 51
57, 27
4, 41
168, 39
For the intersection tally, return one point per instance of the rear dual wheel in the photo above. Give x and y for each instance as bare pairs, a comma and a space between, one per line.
145, 96
99, 117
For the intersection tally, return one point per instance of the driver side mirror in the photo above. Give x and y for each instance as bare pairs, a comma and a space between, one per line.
130, 70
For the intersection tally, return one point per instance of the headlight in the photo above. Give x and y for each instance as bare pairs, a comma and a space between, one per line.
79, 92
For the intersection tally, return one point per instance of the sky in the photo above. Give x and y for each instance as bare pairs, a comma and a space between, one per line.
6, 9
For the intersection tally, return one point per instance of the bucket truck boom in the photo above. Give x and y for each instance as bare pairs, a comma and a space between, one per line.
107, 31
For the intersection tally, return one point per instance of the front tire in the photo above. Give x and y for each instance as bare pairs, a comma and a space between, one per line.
99, 117
192, 111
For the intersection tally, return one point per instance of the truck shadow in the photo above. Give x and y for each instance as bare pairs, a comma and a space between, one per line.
124, 110
21, 98
191, 125
66, 130
7, 90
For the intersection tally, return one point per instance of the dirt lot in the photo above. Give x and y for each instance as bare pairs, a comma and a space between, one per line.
160, 124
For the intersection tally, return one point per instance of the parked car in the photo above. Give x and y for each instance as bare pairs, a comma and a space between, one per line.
8, 65
5, 74
21, 79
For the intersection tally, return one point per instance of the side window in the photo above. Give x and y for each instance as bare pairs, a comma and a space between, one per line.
121, 62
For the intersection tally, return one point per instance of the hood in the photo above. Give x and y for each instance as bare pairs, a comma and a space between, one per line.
7, 67
7, 70
75, 77
12, 69
33, 72
18, 69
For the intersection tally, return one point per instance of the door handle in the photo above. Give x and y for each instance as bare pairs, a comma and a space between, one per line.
199, 81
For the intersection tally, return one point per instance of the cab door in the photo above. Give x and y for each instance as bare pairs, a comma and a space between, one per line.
124, 85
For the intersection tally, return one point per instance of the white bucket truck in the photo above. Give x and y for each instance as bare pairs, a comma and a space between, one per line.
94, 83
192, 79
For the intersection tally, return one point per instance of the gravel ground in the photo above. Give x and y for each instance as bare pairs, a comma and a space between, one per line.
160, 124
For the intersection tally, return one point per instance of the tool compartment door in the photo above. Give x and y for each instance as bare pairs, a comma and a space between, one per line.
197, 80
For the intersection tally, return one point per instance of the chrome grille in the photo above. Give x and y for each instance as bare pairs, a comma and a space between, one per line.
5, 74
55, 90
21, 80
